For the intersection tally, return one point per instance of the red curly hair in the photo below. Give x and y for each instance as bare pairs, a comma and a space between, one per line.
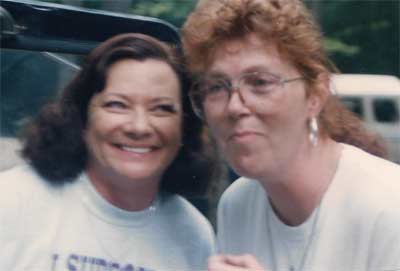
290, 25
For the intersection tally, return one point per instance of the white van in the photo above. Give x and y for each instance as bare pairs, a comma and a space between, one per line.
376, 99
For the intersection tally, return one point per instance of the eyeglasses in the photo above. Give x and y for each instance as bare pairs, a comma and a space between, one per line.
253, 88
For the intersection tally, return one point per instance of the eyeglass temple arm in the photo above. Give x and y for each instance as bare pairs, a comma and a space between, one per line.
292, 79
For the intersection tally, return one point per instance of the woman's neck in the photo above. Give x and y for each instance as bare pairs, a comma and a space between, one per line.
295, 195
124, 193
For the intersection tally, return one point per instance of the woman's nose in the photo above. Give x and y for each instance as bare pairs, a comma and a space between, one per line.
236, 105
138, 125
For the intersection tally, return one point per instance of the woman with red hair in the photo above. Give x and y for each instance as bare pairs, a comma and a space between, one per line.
314, 195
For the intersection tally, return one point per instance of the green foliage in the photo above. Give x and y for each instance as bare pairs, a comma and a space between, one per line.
338, 47
173, 11
362, 36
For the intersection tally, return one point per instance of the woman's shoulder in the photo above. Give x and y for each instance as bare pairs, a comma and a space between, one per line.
22, 184
22, 194
185, 214
179, 206
370, 166
19, 178
188, 227
373, 180
241, 191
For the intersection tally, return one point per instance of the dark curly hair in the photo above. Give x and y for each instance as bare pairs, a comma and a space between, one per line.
53, 141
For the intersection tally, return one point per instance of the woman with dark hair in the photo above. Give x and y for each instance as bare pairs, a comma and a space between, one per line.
105, 164
314, 194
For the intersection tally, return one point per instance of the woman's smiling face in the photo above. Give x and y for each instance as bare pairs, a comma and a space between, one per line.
134, 123
258, 137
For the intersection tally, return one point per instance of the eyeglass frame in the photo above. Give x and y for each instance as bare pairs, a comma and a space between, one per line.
230, 87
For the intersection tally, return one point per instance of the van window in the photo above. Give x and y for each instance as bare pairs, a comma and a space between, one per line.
28, 80
355, 105
385, 110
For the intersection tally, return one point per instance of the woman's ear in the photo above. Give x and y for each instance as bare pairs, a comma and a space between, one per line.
319, 95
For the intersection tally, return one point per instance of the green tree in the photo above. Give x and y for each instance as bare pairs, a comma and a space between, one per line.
173, 11
362, 36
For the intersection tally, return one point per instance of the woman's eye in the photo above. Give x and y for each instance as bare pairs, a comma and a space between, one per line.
114, 104
164, 108
259, 82
215, 87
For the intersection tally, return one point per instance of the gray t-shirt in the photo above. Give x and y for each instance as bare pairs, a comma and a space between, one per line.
72, 227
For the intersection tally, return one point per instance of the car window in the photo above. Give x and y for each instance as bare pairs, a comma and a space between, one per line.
355, 105
385, 110
28, 80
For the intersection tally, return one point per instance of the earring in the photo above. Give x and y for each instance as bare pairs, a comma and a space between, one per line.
313, 135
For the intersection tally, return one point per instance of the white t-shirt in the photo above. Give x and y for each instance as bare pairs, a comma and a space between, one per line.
71, 227
356, 227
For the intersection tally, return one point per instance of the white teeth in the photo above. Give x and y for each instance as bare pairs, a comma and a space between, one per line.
136, 150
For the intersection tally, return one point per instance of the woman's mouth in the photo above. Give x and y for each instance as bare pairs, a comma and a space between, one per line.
138, 150
245, 135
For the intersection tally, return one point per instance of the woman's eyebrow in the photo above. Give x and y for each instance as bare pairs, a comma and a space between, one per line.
257, 68
216, 74
114, 93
